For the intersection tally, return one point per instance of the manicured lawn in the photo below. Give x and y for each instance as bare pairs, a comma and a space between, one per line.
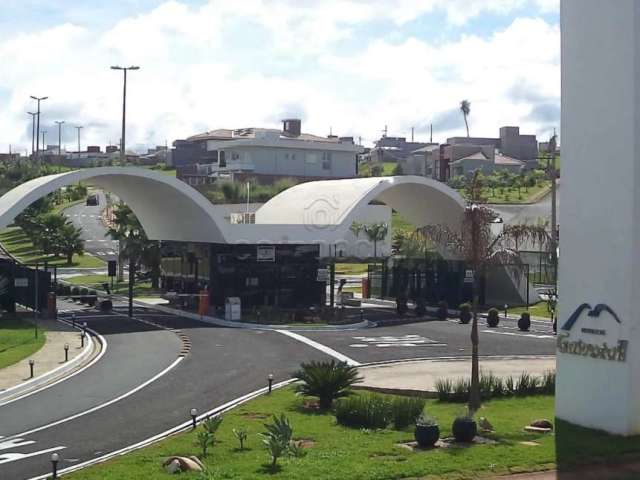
122, 288
351, 268
537, 310
17, 340
346, 453
17, 243
512, 196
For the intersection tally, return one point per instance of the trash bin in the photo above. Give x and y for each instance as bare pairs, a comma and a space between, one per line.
232, 309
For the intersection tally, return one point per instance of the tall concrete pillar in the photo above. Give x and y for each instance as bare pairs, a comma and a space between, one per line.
599, 290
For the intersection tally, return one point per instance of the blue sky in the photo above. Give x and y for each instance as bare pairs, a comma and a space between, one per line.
349, 65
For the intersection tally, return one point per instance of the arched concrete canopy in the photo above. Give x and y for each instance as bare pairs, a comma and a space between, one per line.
167, 208
420, 200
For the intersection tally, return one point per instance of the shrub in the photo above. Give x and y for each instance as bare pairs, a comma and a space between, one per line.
204, 439
363, 411
524, 322
464, 429
548, 382
421, 307
84, 292
443, 310
277, 438
526, 384
92, 298
328, 380
405, 411
465, 313
241, 435
211, 424
66, 290
444, 387
493, 318
401, 304
75, 293
106, 305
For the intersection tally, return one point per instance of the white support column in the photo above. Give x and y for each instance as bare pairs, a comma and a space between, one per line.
598, 357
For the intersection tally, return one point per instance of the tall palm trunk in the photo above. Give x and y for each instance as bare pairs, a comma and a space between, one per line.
466, 124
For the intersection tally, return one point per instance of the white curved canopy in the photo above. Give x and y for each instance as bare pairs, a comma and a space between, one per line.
313, 212
422, 201
167, 208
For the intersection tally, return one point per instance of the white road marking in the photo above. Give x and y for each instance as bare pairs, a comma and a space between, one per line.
12, 457
318, 346
14, 443
495, 332
386, 341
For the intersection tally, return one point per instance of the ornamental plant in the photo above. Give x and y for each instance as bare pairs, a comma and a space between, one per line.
327, 380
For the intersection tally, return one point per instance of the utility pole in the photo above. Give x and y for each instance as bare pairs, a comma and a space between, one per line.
411, 134
431, 133
33, 132
80, 127
44, 133
59, 123
124, 109
551, 166
38, 99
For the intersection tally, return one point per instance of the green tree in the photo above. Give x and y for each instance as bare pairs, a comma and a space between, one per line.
328, 380
70, 242
465, 108
475, 243
376, 232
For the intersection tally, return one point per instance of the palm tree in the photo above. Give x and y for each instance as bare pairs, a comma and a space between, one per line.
70, 241
376, 232
480, 248
465, 108
327, 380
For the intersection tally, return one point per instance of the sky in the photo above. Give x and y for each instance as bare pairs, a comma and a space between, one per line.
350, 67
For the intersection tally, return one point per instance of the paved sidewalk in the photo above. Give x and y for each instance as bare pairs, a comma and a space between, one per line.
421, 375
49, 357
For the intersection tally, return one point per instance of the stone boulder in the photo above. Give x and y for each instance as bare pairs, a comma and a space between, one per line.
183, 464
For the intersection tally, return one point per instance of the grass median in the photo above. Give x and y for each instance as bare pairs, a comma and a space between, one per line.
17, 340
335, 451
19, 245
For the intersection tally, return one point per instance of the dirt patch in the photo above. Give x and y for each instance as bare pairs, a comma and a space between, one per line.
447, 442
254, 415
305, 442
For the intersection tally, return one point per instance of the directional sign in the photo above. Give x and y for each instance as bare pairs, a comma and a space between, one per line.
21, 282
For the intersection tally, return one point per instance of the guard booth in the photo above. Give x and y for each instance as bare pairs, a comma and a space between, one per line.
23, 285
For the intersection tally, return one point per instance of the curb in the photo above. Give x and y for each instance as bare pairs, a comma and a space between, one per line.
251, 326
57, 373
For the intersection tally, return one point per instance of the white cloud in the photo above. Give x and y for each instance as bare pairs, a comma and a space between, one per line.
234, 64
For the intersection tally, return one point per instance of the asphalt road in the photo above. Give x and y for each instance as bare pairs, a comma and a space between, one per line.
93, 231
223, 364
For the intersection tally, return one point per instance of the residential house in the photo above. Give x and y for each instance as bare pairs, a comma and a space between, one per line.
266, 154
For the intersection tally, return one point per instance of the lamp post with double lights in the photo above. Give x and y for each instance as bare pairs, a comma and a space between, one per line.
33, 133
124, 108
38, 99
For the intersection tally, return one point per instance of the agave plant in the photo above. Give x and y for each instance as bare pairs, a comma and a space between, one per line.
277, 438
326, 380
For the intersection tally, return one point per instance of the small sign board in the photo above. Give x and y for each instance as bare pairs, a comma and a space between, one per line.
266, 253
21, 282
112, 268
323, 275
468, 276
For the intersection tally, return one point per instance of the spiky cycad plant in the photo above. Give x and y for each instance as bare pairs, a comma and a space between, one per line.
327, 380
480, 248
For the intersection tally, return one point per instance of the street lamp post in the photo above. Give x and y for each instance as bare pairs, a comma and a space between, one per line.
79, 127
44, 147
33, 132
60, 123
124, 109
38, 99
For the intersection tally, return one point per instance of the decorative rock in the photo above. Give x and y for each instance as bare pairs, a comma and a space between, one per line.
183, 464
543, 423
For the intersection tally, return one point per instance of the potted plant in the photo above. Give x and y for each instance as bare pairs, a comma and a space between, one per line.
465, 313
427, 431
421, 307
443, 310
464, 428
524, 322
401, 304
493, 317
